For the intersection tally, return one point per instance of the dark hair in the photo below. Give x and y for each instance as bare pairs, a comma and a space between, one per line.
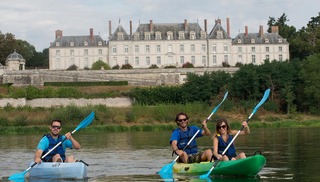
179, 114
56, 120
219, 122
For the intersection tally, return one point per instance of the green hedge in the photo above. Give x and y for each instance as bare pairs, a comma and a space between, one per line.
106, 83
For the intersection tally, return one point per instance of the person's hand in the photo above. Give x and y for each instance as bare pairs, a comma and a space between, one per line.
204, 123
37, 160
179, 152
245, 124
68, 135
219, 157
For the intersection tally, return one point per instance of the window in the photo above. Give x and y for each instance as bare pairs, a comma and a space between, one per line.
170, 60
147, 36
204, 59
71, 52
193, 60
158, 48
169, 35
192, 36
280, 40
225, 48
136, 61
100, 51
126, 60
85, 43
148, 60
136, 48
126, 49
115, 60
181, 35
280, 49
253, 49
219, 34
239, 41
239, 49
280, 57
71, 61
181, 48
147, 48
57, 52
71, 44
99, 43
86, 52
158, 60
268, 57
158, 35
266, 40
203, 35
214, 48
267, 49
114, 49
169, 48
253, 41
86, 62
57, 44
203, 47
226, 58
58, 63
240, 58
192, 48
135, 36
120, 36
253, 59
182, 59
214, 59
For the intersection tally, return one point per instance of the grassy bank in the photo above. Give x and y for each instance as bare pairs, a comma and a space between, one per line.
25, 120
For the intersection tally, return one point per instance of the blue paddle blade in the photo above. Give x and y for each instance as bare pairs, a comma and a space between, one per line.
217, 107
264, 98
166, 171
86, 121
17, 176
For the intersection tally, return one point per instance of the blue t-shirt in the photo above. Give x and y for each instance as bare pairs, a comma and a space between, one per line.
177, 135
44, 143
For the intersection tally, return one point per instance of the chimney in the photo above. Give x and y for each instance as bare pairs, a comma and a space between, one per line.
130, 27
110, 29
261, 31
228, 27
151, 26
58, 34
275, 29
205, 25
91, 34
185, 24
246, 31
218, 21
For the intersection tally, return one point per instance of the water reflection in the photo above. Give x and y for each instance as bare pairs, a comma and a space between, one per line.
291, 154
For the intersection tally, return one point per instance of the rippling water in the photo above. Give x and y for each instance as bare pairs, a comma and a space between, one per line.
136, 156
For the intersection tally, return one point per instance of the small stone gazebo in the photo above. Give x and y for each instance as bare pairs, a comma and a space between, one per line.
15, 61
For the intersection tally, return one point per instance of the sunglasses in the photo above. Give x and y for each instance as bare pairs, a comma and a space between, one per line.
180, 120
56, 127
222, 126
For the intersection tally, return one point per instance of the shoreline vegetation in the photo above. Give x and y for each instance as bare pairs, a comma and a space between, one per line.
27, 120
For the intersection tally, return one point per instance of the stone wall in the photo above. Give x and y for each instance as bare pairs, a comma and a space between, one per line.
133, 76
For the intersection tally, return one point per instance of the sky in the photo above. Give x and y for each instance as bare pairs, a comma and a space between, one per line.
36, 21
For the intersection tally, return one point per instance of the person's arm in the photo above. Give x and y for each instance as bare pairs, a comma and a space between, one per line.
246, 129
42, 146
75, 143
215, 148
205, 131
37, 156
175, 149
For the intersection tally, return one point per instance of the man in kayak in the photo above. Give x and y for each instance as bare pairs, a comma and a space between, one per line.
183, 134
48, 141
223, 137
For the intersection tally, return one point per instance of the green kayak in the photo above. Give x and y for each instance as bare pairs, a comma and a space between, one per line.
249, 166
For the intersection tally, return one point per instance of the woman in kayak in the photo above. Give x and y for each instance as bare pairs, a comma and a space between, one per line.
183, 134
223, 137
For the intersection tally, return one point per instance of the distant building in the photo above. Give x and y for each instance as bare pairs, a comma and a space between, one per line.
15, 61
169, 44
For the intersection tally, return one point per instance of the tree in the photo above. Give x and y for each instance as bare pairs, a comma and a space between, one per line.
7, 46
98, 65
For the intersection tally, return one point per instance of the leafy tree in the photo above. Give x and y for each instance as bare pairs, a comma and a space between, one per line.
7, 46
98, 65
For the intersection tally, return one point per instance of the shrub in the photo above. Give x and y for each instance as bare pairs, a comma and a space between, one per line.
73, 67
116, 67
153, 66
98, 65
126, 66
238, 64
187, 65
171, 66
225, 64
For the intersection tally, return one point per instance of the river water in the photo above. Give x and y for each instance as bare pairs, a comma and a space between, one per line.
291, 153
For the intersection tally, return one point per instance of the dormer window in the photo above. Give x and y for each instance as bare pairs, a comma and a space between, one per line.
85, 43
239, 41
181, 35
120, 36
266, 40
147, 36
253, 41
169, 35
192, 35
203, 35
57, 44
71, 44
136, 36
280, 40
219, 34
99, 43
158, 35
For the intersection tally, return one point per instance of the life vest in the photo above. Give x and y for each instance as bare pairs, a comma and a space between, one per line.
58, 150
222, 145
185, 138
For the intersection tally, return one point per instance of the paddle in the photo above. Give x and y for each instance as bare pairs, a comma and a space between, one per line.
167, 169
83, 124
264, 98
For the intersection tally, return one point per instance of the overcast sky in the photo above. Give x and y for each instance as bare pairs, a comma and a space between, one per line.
36, 20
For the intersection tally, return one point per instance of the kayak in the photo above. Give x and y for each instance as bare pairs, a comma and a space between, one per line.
249, 166
58, 170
